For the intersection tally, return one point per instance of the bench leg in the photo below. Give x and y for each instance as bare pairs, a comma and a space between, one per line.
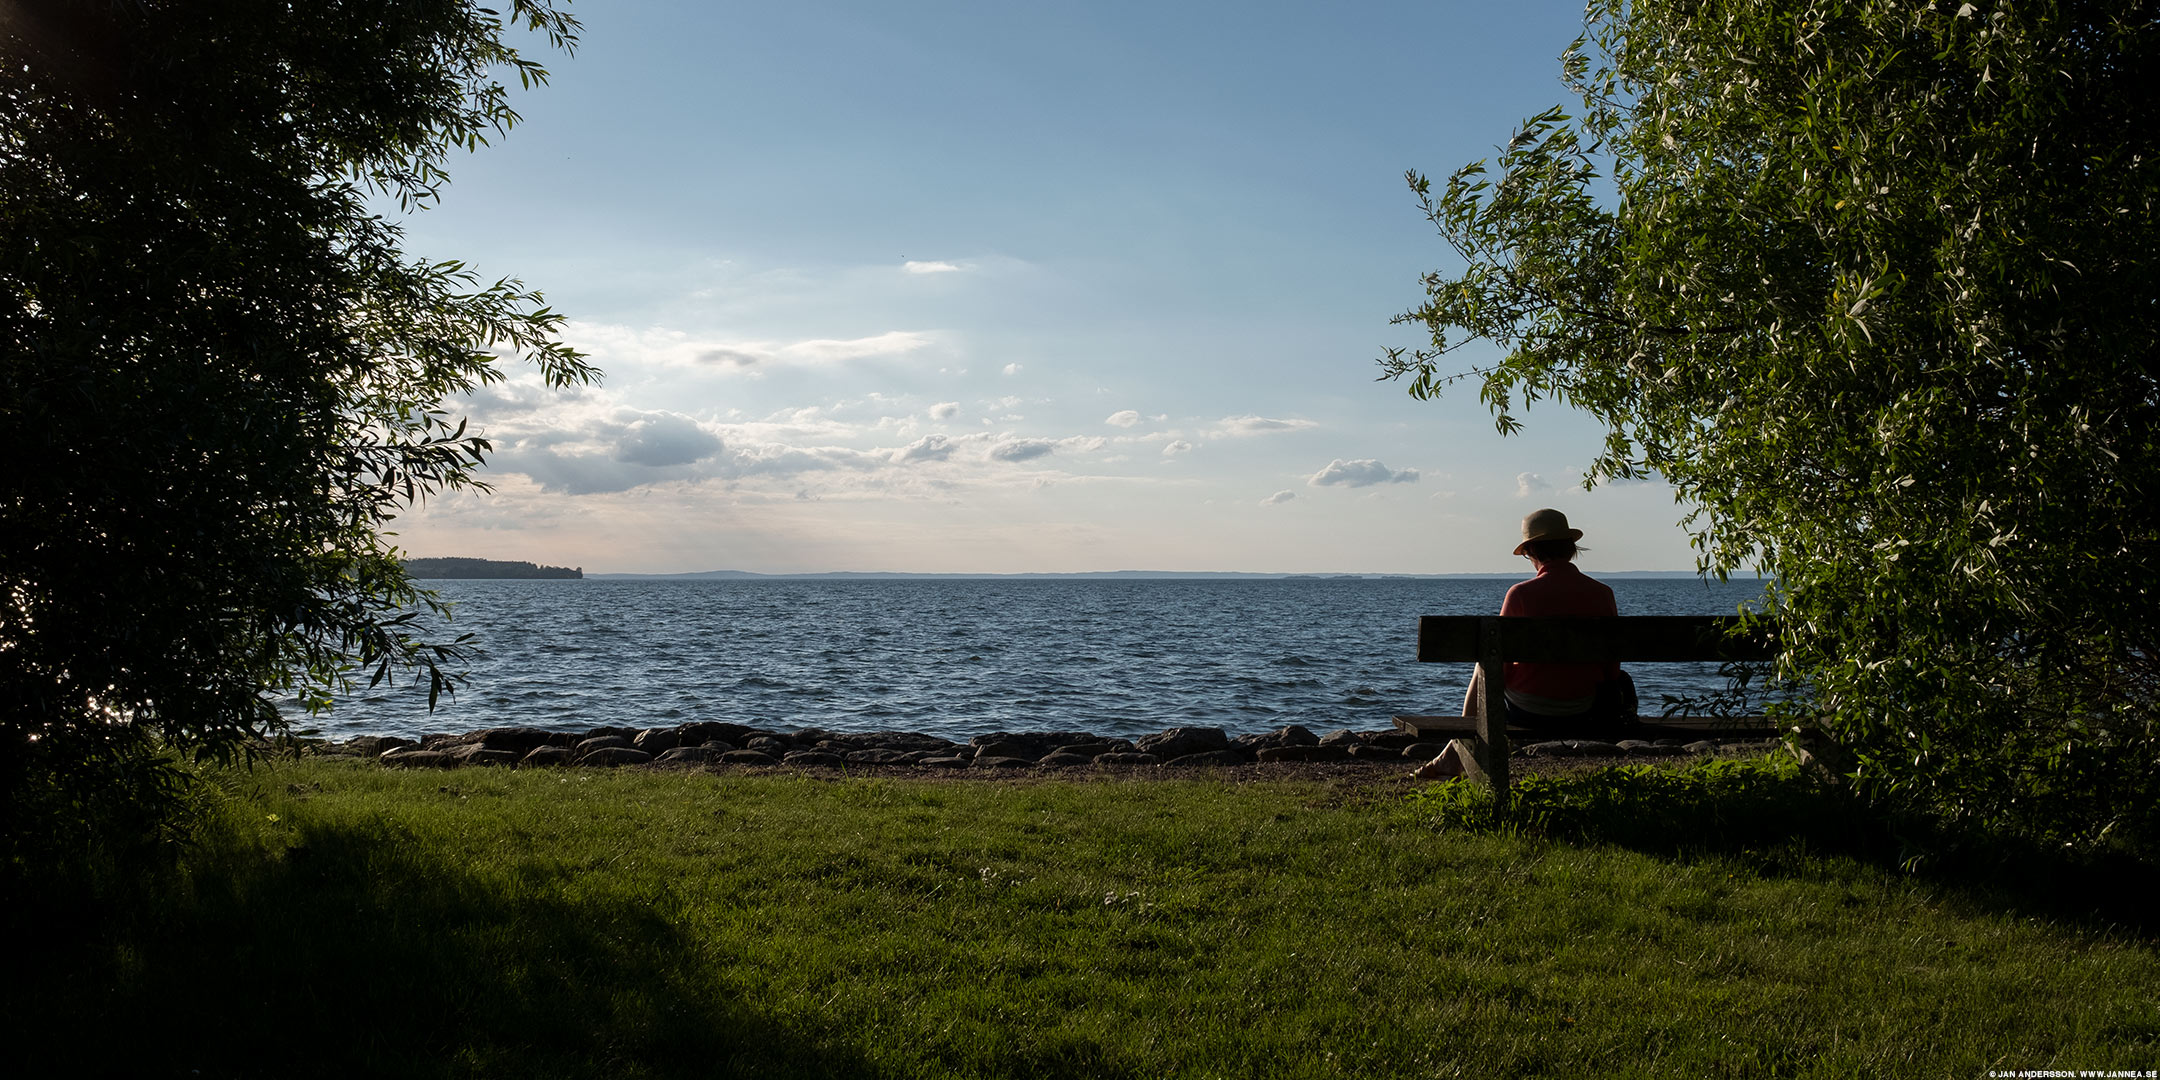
1466, 752
1491, 712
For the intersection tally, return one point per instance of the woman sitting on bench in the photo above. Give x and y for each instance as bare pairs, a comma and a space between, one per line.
1547, 695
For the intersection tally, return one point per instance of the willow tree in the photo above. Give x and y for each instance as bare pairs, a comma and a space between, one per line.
220, 375
1873, 286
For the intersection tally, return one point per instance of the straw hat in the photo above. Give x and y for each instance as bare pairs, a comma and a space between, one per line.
1546, 524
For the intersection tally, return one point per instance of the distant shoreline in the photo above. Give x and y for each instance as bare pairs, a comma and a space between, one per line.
481, 569
1104, 575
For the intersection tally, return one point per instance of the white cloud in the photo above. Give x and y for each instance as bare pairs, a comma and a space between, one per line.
1122, 418
1021, 449
1528, 484
944, 410
927, 448
1259, 425
913, 266
664, 438
1363, 472
776, 460
1175, 447
1279, 498
611, 345
1012, 369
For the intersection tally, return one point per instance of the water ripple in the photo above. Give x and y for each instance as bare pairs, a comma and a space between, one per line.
961, 658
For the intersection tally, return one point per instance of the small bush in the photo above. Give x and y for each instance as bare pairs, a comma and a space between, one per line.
1717, 804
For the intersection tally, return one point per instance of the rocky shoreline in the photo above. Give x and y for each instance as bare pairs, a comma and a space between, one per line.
723, 745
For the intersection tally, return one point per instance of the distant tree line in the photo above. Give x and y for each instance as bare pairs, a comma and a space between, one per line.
485, 568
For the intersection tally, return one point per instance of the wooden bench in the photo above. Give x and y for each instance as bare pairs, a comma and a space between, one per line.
1491, 641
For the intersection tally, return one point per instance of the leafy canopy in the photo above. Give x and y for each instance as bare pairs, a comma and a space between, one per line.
1871, 284
220, 376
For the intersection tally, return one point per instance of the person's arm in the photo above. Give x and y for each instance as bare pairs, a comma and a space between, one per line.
1612, 603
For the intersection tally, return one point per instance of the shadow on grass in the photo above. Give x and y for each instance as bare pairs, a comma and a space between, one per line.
1776, 818
354, 954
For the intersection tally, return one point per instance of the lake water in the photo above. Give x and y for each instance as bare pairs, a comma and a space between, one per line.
962, 657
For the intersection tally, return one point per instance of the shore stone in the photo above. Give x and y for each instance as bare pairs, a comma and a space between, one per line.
1059, 759
1337, 752
766, 744
687, 753
1007, 748
1595, 748
916, 741
418, 759
749, 757
877, 757
516, 739
1373, 750
1701, 746
707, 732
717, 746
588, 747
1183, 741
1288, 735
1344, 737
987, 761
657, 740
547, 755
615, 755
1128, 757
1092, 750
377, 745
804, 759
1206, 758
947, 761
477, 754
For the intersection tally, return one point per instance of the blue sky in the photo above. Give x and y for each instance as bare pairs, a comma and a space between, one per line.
1006, 288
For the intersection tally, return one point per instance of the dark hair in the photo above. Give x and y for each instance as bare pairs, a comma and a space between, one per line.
1551, 550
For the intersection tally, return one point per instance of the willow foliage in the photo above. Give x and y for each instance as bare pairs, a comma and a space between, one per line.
220, 376
1872, 284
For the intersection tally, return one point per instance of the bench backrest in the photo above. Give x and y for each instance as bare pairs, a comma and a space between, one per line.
1492, 640
1555, 639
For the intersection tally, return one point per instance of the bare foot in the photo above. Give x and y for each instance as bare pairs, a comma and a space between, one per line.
1440, 768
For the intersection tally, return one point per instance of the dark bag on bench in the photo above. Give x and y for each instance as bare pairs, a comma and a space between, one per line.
1616, 699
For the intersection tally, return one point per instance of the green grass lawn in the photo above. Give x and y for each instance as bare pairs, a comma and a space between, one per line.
346, 920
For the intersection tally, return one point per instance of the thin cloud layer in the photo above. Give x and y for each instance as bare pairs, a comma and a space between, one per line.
1021, 449
1363, 472
914, 266
612, 345
1237, 426
1279, 498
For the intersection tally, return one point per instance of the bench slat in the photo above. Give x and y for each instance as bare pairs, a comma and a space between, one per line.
1668, 727
1553, 639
